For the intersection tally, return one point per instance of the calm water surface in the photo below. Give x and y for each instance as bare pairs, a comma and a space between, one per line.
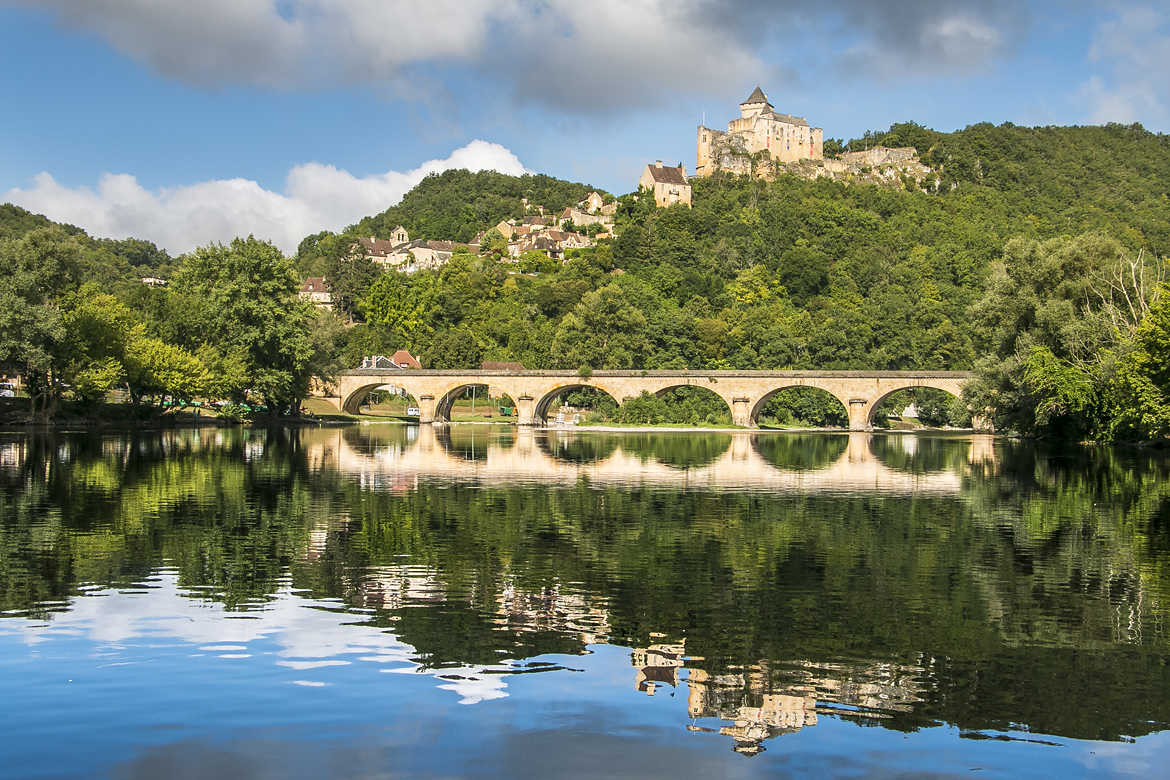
399, 601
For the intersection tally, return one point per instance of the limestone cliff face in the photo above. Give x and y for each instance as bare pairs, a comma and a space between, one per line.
880, 165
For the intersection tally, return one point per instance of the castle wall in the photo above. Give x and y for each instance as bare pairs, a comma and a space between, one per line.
757, 130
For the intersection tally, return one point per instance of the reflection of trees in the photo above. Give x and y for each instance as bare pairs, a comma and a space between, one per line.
1038, 596
467, 442
369, 439
577, 448
801, 451
682, 451
921, 454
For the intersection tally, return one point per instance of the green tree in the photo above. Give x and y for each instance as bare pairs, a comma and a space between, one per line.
1139, 394
39, 268
241, 299
349, 276
453, 348
603, 331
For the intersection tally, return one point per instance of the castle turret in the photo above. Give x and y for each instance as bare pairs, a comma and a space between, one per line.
756, 104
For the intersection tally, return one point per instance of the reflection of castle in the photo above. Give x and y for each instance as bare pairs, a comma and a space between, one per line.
768, 699
657, 665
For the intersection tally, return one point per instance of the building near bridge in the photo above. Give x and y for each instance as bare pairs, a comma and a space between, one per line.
782, 137
401, 359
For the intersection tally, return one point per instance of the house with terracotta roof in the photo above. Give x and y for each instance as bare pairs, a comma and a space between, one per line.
400, 359
315, 290
668, 184
404, 359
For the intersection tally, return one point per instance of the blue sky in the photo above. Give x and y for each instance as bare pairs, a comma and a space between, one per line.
189, 122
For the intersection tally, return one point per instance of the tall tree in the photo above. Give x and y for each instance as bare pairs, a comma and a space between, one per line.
241, 299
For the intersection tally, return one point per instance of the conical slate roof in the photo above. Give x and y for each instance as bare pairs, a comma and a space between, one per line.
757, 96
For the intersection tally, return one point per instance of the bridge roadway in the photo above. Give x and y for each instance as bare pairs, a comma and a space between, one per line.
744, 392
379, 456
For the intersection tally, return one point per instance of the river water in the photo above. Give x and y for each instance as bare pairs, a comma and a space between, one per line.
394, 601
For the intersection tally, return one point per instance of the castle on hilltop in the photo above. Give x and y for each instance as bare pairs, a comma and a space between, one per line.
784, 137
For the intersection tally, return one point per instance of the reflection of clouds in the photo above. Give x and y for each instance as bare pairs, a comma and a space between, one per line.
310, 634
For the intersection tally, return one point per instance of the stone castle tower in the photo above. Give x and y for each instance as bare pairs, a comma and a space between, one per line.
784, 137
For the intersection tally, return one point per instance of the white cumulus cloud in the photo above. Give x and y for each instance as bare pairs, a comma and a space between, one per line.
315, 197
1132, 51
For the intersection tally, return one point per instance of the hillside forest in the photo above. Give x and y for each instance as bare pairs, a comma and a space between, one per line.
1035, 256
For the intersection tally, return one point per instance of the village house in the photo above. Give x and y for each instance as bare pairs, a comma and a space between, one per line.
377, 250
400, 359
668, 184
592, 203
581, 218
423, 255
316, 291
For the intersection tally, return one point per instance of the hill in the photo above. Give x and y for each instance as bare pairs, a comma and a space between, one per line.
457, 204
117, 259
801, 274
1063, 178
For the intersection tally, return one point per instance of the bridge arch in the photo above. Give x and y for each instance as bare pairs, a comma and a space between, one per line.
352, 403
954, 391
758, 407
698, 390
540, 410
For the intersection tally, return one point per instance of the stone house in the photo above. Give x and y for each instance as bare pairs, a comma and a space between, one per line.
582, 218
592, 203
668, 184
421, 255
575, 241
376, 249
784, 137
400, 359
315, 290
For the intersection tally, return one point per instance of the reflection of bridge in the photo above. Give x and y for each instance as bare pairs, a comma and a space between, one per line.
530, 457
744, 392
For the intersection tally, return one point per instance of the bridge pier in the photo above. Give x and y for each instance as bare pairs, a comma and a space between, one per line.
525, 409
859, 409
427, 407
741, 412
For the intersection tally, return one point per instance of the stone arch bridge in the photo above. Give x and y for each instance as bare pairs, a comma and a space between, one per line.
744, 392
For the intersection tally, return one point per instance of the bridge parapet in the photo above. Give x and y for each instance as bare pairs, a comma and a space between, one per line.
744, 392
